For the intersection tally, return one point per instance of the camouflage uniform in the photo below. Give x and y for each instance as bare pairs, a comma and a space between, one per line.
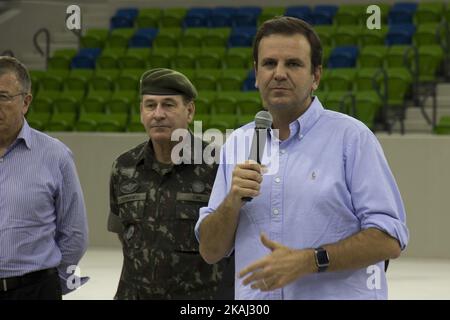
154, 208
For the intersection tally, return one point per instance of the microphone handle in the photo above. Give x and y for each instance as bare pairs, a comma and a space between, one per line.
248, 199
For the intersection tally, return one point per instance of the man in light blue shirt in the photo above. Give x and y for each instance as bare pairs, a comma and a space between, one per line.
324, 216
43, 225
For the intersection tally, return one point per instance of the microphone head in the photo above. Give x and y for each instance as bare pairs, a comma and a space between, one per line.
263, 120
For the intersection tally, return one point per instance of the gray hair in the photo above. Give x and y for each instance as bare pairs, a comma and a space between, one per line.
11, 64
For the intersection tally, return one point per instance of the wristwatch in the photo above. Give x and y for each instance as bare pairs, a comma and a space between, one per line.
322, 259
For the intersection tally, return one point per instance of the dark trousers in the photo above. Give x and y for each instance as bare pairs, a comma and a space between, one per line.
45, 288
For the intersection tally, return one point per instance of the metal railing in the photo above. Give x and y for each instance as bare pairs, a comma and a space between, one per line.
46, 52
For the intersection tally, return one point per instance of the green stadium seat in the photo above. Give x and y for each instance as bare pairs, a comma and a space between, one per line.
223, 122
346, 35
321, 95
216, 37
61, 122
324, 79
95, 101
341, 79
399, 56
206, 79
231, 79
167, 38
210, 60
367, 105
119, 37
61, 59
340, 101
94, 38
204, 120
109, 58
184, 59
443, 126
243, 119
66, 104
430, 59
372, 56
78, 79
399, 82
53, 80
269, 13
148, 18
429, 12
43, 101
248, 103
368, 79
428, 34
135, 58
325, 33
172, 17
350, 15
135, 124
103, 80
128, 80
38, 120
162, 57
326, 52
113, 122
36, 76
204, 102
372, 37
224, 104
238, 57
122, 101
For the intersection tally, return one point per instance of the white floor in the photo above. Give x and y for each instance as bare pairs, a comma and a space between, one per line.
408, 278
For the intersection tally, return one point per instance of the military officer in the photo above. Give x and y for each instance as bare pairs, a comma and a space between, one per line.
155, 203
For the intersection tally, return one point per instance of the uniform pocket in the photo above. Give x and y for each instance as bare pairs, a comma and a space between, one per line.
186, 216
131, 207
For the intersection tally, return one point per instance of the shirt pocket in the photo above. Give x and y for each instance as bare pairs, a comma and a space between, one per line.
186, 215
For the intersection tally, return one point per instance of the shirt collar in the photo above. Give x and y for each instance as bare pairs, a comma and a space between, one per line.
24, 135
307, 120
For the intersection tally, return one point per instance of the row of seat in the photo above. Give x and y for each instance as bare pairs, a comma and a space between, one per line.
330, 35
346, 14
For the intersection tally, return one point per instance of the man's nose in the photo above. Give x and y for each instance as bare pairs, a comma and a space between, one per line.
280, 72
159, 112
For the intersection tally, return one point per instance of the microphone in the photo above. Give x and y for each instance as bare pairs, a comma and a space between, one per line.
263, 122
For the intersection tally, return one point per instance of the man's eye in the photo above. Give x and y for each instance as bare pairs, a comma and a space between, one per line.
3, 97
294, 64
269, 63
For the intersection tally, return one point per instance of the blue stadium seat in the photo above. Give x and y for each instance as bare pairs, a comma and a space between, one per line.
124, 18
343, 57
402, 13
197, 17
324, 14
301, 12
143, 38
85, 59
246, 17
249, 83
221, 16
241, 36
400, 34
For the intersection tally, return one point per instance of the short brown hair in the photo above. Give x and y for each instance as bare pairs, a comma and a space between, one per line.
290, 26
11, 64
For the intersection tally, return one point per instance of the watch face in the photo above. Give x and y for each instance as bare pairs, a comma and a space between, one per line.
322, 258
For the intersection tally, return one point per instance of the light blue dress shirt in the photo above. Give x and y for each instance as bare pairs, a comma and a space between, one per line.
332, 181
42, 213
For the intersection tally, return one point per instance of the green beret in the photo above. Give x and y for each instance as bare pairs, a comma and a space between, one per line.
163, 82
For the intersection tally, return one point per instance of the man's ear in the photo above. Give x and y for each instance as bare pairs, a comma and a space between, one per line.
255, 67
317, 76
26, 103
191, 111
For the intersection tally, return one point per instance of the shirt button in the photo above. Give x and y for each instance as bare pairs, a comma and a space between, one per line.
283, 151
277, 180
275, 212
